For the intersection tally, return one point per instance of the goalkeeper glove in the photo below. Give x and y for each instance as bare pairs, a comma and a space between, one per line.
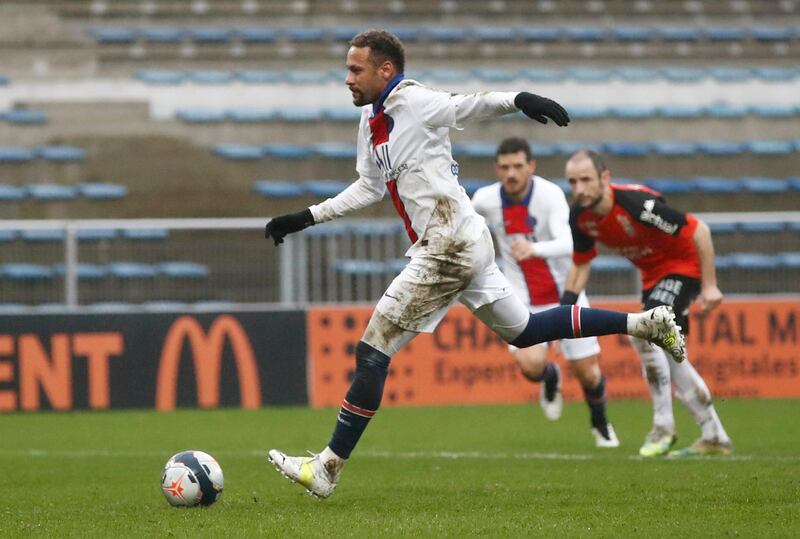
279, 227
541, 108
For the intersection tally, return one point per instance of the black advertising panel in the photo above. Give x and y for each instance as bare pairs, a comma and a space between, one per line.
152, 360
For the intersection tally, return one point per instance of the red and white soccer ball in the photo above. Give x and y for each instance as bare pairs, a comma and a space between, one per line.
192, 478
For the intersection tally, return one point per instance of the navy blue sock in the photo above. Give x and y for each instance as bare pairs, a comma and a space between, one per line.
570, 322
596, 398
362, 399
549, 377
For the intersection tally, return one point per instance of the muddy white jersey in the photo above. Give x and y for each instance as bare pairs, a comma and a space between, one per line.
404, 147
543, 218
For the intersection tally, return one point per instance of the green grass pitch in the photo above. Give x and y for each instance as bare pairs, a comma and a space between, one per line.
491, 471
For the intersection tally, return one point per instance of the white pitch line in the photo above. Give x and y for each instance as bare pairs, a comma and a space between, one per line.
410, 455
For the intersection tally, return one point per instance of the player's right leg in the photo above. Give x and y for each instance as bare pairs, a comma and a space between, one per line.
586, 368
534, 366
656, 373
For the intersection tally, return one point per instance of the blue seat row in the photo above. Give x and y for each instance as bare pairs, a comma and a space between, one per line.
21, 154
449, 34
490, 75
54, 191
677, 111
87, 234
122, 270
24, 117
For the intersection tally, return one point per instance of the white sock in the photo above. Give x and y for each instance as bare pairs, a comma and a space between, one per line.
328, 454
655, 369
692, 391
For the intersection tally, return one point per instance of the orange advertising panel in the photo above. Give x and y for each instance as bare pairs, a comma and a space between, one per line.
746, 348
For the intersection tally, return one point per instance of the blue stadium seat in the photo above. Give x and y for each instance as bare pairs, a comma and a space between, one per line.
470, 186
771, 33
287, 151
257, 34
200, 115
210, 34
61, 153
626, 149
145, 234
96, 234
544, 75
674, 148
336, 150
632, 33
8, 235
259, 76
132, 270
723, 262
160, 76
113, 35
278, 189
84, 271
683, 74
51, 191
299, 114
495, 74
726, 110
570, 147
307, 76
395, 265
794, 183
637, 74
544, 150
721, 147
725, 33
345, 33
441, 75
475, 149
12, 154
770, 147
680, 110
679, 33
12, 192
360, 267
324, 188
209, 76
451, 34
714, 184
765, 185
406, 33
766, 227
102, 190
183, 270
342, 114
588, 112
369, 228
730, 74
722, 228
774, 110
668, 186
585, 34
589, 74
494, 34
790, 259
632, 111
43, 235
541, 33
329, 229
25, 117
562, 184
753, 261
611, 263
3, 80
26, 272
775, 74
250, 115
239, 152
163, 34
13, 307
305, 34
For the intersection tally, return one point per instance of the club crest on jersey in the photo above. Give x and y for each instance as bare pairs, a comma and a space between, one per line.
454, 169
626, 225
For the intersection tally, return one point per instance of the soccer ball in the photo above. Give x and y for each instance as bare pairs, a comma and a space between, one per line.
191, 478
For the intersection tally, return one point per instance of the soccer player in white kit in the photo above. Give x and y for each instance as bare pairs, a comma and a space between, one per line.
529, 218
404, 147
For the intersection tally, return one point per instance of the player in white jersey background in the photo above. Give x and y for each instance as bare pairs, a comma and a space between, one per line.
529, 218
404, 147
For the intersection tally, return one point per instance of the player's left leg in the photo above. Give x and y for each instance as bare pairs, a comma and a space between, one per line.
583, 360
534, 366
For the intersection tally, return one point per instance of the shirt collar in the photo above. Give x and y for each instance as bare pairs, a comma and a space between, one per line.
525, 201
385, 93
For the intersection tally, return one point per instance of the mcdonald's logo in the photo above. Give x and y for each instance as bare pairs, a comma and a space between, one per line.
207, 354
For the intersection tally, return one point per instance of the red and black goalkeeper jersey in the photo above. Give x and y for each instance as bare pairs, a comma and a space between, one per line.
643, 229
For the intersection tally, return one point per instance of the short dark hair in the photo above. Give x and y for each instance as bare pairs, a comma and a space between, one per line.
383, 46
597, 159
514, 145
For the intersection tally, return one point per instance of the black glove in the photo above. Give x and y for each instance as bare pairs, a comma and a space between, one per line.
540, 108
279, 226
568, 298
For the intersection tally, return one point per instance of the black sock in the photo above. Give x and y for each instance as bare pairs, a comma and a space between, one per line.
596, 399
549, 377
